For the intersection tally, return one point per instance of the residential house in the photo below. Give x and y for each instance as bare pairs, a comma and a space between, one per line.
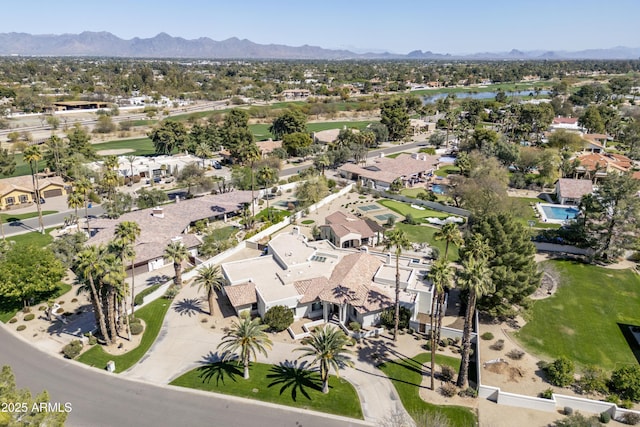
316, 280
599, 165
348, 231
18, 190
382, 171
570, 191
566, 123
161, 225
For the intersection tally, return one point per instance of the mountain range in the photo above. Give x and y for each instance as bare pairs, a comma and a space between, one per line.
105, 44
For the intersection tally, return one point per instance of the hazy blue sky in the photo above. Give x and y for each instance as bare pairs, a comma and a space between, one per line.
400, 26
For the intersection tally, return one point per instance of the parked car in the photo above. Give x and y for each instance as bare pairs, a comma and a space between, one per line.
217, 165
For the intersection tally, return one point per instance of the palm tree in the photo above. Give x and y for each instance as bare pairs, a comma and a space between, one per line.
33, 155
322, 162
84, 187
177, 253
476, 278
450, 234
398, 239
210, 279
246, 338
266, 176
440, 275
127, 232
75, 200
249, 154
203, 151
327, 347
113, 281
131, 159
477, 246
88, 267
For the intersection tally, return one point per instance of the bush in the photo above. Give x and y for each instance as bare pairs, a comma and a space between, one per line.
605, 417
448, 390
29, 316
578, 420
568, 410
136, 328
546, 394
630, 418
409, 219
515, 354
93, 340
21, 328
72, 350
447, 373
469, 392
487, 336
498, 345
625, 382
278, 317
387, 318
355, 326
593, 379
171, 292
13, 320
560, 372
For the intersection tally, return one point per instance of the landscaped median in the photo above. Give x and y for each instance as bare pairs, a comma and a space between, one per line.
280, 384
153, 316
406, 376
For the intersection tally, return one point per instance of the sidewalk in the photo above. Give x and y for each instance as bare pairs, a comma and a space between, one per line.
185, 342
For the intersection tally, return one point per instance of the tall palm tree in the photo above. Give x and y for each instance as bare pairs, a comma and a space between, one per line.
398, 239
113, 281
33, 155
210, 278
327, 347
75, 200
203, 151
477, 246
84, 187
246, 338
249, 154
441, 277
177, 253
450, 233
267, 176
129, 231
89, 268
322, 161
131, 159
475, 277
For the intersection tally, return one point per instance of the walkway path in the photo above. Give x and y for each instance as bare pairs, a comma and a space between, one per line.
185, 342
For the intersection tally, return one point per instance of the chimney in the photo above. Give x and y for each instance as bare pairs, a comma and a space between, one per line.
158, 212
177, 199
388, 258
415, 156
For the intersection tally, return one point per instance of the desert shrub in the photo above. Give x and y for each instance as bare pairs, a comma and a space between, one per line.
448, 390
171, 292
577, 420
447, 373
498, 345
487, 336
469, 392
560, 372
136, 328
593, 379
13, 320
546, 394
355, 326
568, 410
278, 317
21, 328
427, 345
626, 404
630, 418
74, 300
29, 316
72, 350
204, 320
387, 318
515, 354
605, 417
352, 341
92, 340
42, 308
625, 382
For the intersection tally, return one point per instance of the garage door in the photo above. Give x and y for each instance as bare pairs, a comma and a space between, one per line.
52, 193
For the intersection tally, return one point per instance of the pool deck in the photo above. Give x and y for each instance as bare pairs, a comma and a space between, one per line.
543, 214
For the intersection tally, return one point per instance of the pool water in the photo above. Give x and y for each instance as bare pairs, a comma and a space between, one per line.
439, 189
560, 212
447, 159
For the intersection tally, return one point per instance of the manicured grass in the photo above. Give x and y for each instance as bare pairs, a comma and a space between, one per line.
581, 321
524, 212
404, 209
291, 386
277, 215
406, 375
18, 217
413, 192
261, 130
308, 221
140, 146
139, 297
33, 238
153, 315
8, 309
448, 170
224, 233
424, 234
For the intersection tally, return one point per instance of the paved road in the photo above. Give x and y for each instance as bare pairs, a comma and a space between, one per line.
53, 220
101, 399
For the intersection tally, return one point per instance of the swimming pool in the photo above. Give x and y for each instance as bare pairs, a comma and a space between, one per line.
447, 159
558, 213
439, 189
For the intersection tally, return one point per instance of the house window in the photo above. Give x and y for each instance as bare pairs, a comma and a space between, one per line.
24, 199
10, 200
316, 306
254, 306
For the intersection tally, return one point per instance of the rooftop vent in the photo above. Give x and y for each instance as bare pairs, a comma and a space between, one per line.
158, 212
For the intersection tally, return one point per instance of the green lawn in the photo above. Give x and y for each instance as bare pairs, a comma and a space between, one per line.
8, 309
424, 234
448, 170
406, 375
224, 233
581, 320
404, 209
413, 192
18, 217
291, 386
32, 237
524, 212
261, 131
141, 146
153, 315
